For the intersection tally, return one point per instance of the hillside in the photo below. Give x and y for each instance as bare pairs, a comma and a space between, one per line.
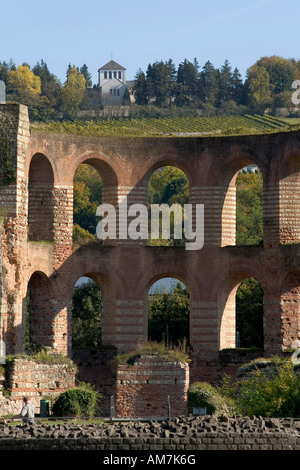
172, 126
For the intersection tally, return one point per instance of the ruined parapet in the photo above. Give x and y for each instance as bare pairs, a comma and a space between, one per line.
14, 142
153, 387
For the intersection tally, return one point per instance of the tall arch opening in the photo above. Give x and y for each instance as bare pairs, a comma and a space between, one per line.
40, 312
168, 188
93, 311
87, 196
242, 214
40, 199
241, 310
169, 312
86, 314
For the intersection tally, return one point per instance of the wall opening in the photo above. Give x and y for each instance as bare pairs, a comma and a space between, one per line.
86, 314
170, 186
241, 307
87, 196
242, 215
168, 312
40, 313
40, 199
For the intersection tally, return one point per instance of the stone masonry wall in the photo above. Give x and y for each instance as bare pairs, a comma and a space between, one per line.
143, 389
184, 437
36, 380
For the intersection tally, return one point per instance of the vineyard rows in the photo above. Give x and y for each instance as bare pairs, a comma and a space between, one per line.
185, 126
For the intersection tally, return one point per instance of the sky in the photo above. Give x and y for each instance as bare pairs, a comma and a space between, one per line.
135, 33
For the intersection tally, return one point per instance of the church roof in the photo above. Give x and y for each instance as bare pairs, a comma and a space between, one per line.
112, 65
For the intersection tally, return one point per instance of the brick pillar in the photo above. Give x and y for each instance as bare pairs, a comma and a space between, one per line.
13, 200
289, 211
219, 213
129, 325
203, 326
272, 324
271, 214
131, 195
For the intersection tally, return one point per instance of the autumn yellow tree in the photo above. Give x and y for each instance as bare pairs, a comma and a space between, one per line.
73, 92
23, 81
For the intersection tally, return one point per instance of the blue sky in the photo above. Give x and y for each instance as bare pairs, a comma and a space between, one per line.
138, 32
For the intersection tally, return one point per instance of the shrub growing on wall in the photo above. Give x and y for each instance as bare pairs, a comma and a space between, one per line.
78, 401
204, 395
271, 391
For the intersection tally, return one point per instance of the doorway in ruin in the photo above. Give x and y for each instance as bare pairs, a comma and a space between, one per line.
242, 214
169, 312
241, 317
86, 314
40, 313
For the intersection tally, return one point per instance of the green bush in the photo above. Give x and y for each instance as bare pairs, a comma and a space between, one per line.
80, 401
204, 395
272, 391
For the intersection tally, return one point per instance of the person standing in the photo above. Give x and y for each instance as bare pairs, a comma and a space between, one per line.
27, 412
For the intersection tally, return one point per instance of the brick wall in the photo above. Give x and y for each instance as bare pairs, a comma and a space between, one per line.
35, 380
143, 389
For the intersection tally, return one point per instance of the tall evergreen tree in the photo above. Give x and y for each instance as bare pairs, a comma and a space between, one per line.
187, 80
87, 75
225, 85
209, 79
140, 88
237, 86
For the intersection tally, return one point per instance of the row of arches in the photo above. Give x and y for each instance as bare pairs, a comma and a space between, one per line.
239, 207
169, 313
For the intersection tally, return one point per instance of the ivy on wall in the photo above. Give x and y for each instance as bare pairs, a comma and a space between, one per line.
7, 171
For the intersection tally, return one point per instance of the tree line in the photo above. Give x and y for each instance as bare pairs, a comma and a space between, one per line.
268, 84
188, 87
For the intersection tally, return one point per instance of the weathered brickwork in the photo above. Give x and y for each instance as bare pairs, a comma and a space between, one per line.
37, 249
152, 386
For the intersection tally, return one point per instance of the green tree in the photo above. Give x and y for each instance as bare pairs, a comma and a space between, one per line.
86, 315
87, 197
158, 83
187, 83
73, 93
259, 87
50, 87
140, 88
237, 87
282, 73
225, 82
209, 83
249, 213
249, 314
87, 75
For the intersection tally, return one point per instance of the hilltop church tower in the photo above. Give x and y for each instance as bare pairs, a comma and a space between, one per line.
112, 83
